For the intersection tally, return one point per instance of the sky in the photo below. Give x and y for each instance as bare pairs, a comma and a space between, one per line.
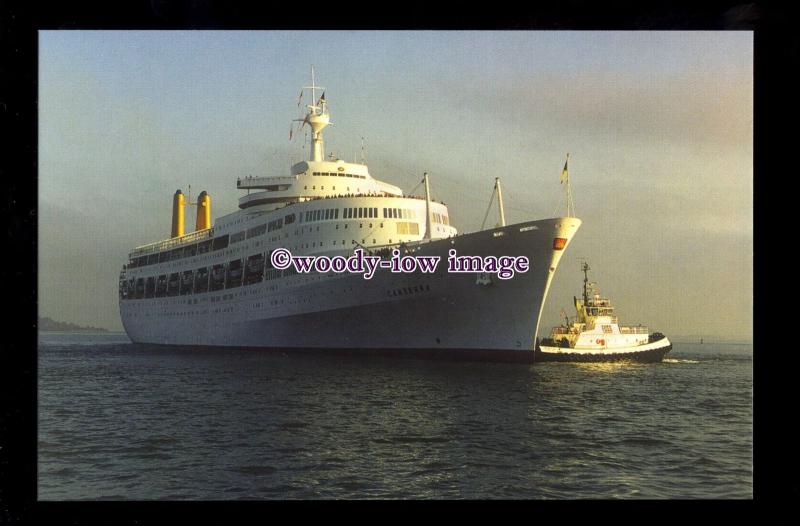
658, 125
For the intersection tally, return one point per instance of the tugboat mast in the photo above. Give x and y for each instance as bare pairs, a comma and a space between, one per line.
586, 270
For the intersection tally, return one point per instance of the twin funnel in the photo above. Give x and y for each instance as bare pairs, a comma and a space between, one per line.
203, 220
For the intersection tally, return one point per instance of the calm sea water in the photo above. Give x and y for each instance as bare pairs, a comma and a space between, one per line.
119, 421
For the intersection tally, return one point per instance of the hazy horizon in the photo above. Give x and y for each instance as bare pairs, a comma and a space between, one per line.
658, 126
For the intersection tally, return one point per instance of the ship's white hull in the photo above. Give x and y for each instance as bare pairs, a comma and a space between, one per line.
391, 311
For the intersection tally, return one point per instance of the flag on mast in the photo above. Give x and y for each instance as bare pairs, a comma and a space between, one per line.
291, 127
300, 99
321, 99
565, 171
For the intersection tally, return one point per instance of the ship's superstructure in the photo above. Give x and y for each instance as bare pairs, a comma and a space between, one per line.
216, 286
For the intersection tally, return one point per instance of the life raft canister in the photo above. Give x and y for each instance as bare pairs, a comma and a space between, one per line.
600, 342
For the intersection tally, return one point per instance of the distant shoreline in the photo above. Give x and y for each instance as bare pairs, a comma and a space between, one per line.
46, 324
81, 331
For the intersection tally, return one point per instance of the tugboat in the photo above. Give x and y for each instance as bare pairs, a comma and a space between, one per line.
595, 334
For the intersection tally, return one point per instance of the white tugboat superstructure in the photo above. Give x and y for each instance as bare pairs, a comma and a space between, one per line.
595, 334
216, 286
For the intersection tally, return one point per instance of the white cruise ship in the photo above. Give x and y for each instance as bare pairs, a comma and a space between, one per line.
216, 286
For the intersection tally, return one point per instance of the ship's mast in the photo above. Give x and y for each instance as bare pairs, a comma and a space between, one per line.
500, 201
317, 117
586, 270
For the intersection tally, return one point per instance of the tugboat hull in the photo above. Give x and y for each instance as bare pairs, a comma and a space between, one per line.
651, 352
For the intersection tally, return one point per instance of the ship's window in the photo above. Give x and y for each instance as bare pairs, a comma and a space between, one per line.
191, 250
204, 247
336, 213
256, 231
220, 242
288, 220
187, 281
384, 212
173, 284
217, 277
360, 213
139, 288
152, 259
254, 269
375, 212
163, 256
200, 281
150, 287
161, 286
313, 187
238, 236
234, 274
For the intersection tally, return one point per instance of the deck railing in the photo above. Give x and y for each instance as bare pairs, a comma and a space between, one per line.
174, 242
